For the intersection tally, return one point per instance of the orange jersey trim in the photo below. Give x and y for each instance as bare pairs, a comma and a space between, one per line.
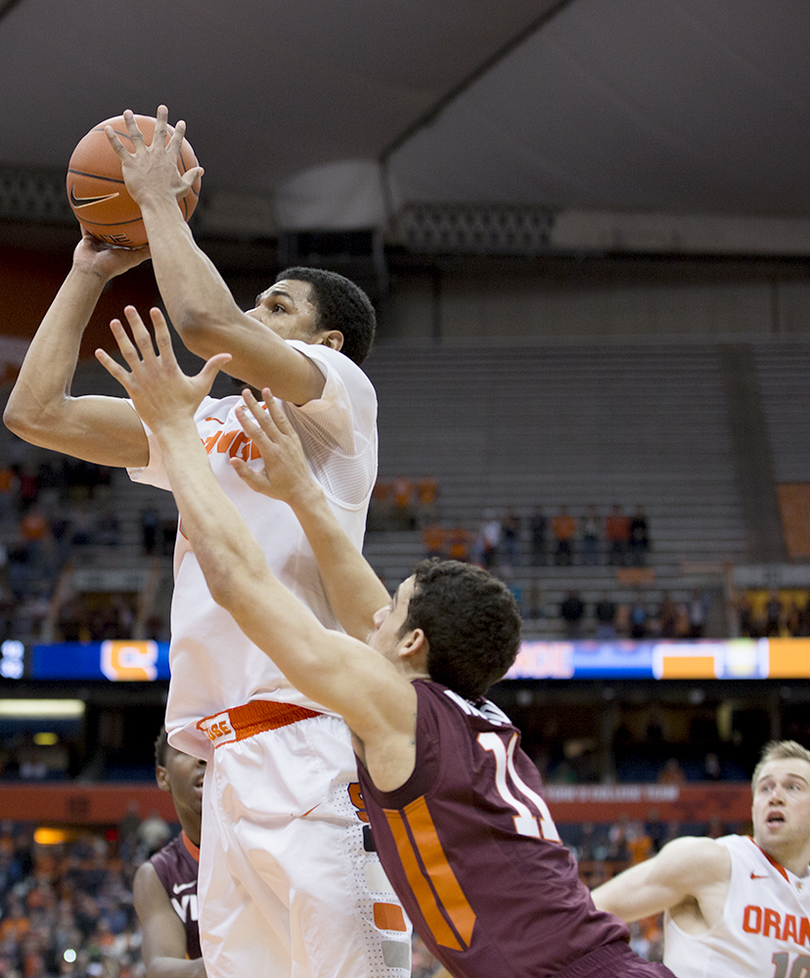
241, 722
777, 866
192, 849
442, 901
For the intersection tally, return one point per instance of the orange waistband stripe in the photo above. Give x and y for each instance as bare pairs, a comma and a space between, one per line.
250, 719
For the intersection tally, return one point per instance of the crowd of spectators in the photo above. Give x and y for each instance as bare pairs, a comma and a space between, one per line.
53, 510
52, 507
505, 541
403, 503
586, 539
66, 906
49, 510
638, 619
774, 614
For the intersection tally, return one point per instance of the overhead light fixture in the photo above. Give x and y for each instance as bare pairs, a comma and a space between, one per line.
34, 709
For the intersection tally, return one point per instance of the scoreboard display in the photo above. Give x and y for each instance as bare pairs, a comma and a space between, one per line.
116, 661
744, 658
741, 658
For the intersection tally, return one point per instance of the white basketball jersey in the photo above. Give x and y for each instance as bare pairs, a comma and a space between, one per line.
765, 928
213, 664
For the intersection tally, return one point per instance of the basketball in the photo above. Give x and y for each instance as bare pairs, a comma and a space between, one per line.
95, 184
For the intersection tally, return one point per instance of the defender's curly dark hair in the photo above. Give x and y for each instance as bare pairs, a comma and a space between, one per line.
471, 622
341, 305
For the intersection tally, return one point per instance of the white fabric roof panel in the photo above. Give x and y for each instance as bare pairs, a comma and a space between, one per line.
665, 106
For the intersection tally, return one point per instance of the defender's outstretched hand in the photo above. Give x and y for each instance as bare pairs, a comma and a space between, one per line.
162, 394
286, 475
353, 588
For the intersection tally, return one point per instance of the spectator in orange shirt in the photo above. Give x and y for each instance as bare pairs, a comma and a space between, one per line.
433, 539
639, 844
35, 533
564, 527
404, 518
671, 772
427, 491
8, 491
617, 535
457, 544
15, 924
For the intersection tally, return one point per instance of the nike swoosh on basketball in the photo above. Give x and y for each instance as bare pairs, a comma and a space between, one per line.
758, 876
179, 887
87, 201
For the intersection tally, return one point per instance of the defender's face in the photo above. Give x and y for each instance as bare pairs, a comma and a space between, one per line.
389, 620
781, 808
182, 777
286, 308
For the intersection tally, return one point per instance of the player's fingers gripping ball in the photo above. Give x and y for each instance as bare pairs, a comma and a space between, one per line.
95, 183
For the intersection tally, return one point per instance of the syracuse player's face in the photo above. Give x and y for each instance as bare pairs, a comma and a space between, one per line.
286, 309
781, 808
389, 620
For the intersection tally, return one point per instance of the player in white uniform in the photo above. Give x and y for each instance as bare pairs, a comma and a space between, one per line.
735, 907
296, 778
289, 883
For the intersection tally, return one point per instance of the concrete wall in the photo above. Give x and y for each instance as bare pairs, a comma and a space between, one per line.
460, 305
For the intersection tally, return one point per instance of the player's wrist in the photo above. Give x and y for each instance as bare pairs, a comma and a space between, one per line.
159, 203
91, 272
175, 428
307, 499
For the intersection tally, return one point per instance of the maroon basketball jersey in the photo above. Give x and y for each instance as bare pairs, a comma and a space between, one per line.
470, 848
177, 864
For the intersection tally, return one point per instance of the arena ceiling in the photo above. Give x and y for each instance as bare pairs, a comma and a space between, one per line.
339, 113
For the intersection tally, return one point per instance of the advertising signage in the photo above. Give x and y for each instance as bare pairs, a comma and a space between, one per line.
704, 659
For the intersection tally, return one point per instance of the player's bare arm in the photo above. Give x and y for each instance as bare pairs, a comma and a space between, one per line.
40, 409
163, 946
199, 303
336, 670
689, 877
353, 589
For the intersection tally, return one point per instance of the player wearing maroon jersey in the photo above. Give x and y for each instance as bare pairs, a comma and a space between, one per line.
165, 886
455, 807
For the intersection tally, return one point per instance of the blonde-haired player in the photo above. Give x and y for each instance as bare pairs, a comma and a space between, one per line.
735, 907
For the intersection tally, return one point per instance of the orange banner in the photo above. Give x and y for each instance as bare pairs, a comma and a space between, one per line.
72, 804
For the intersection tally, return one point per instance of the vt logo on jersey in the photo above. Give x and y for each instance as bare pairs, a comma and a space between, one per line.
186, 907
